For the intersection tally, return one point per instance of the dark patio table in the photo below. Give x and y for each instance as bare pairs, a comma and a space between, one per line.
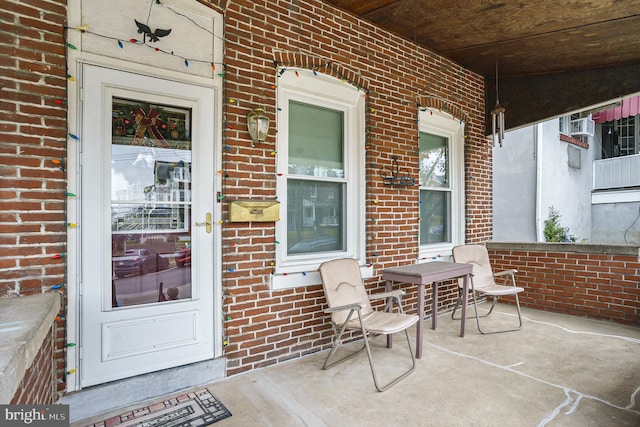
421, 275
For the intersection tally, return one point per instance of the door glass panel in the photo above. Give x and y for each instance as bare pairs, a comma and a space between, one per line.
150, 203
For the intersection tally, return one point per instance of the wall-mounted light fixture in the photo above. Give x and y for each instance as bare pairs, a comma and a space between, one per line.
258, 124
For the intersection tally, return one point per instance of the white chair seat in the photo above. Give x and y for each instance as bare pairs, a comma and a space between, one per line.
500, 290
380, 322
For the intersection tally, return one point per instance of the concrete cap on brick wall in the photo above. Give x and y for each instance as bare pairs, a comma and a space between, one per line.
581, 248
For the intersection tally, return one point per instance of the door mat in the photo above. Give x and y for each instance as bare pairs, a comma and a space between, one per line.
194, 409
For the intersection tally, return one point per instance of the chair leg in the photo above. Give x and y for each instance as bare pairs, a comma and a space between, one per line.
504, 330
494, 300
336, 343
398, 378
366, 346
459, 303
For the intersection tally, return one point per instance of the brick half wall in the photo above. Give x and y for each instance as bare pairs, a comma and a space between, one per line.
596, 281
38, 386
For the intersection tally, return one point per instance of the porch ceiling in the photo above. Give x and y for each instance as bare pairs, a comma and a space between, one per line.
554, 56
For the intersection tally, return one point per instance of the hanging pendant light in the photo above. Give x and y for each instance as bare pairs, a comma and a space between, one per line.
497, 114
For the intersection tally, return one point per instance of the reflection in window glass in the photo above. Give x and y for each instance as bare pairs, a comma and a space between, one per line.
435, 191
434, 160
150, 203
314, 216
435, 214
315, 141
315, 208
149, 268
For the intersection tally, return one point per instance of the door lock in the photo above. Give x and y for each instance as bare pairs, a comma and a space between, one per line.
207, 222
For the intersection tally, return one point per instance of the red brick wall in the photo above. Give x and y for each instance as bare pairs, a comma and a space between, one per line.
32, 135
32, 141
264, 326
38, 385
597, 281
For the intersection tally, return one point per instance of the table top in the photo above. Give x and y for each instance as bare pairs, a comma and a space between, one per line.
427, 272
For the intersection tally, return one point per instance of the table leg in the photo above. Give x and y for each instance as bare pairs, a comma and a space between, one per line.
420, 321
465, 297
389, 336
434, 306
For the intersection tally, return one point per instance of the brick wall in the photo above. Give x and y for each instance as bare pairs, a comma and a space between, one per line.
32, 147
33, 136
38, 385
596, 281
264, 326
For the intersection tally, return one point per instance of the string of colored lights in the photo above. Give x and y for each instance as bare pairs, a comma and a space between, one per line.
133, 41
61, 287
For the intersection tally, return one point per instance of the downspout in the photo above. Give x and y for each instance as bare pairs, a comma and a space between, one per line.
537, 153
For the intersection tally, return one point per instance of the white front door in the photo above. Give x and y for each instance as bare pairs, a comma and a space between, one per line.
147, 232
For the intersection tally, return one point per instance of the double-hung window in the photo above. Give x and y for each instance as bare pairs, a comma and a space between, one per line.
441, 178
320, 150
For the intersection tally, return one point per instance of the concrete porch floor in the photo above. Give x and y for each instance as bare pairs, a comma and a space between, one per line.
558, 371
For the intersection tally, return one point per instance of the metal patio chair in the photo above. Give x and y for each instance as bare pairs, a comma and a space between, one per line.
483, 281
350, 309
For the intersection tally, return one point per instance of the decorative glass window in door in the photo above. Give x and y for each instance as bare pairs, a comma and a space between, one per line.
150, 202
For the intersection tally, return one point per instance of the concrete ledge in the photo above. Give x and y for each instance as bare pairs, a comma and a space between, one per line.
24, 323
581, 248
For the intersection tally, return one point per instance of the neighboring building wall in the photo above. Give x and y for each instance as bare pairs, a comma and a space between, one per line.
616, 223
615, 213
33, 135
514, 187
566, 178
596, 281
562, 168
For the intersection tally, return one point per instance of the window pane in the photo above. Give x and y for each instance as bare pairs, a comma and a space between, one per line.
627, 136
435, 217
315, 141
150, 203
434, 161
315, 216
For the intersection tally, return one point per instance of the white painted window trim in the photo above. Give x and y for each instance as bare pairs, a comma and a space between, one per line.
326, 91
564, 125
443, 124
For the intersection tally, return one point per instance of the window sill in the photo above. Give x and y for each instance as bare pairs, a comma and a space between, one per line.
294, 280
573, 141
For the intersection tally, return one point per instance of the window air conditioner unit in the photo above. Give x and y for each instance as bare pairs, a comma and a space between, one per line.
583, 127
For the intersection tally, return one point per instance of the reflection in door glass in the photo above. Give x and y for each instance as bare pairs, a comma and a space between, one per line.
150, 203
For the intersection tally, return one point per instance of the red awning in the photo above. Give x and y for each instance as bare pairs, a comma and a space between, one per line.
628, 107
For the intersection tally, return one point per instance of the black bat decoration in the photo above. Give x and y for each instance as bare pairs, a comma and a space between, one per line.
153, 36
